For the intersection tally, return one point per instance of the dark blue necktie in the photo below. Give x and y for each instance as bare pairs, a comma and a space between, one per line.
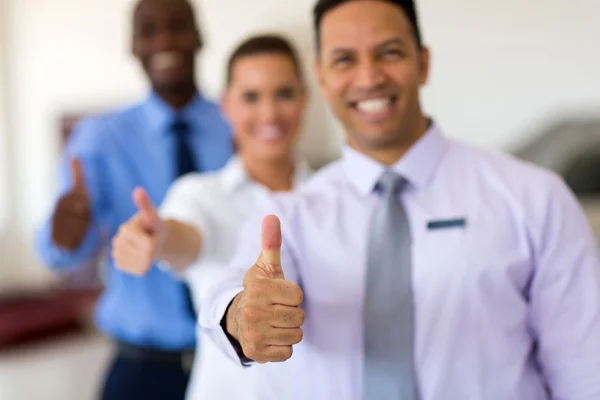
184, 163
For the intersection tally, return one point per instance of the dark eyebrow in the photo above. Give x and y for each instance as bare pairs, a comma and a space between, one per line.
386, 43
340, 50
390, 42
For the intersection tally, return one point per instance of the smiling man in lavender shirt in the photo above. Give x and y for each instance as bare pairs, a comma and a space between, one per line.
416, 267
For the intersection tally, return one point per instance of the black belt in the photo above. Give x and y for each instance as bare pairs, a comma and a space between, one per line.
185, 358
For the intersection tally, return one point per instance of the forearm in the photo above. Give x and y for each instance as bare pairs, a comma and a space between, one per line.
182, 245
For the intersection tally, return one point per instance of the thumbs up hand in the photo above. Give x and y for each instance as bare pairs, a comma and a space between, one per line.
138, 241
72, 215
265, 318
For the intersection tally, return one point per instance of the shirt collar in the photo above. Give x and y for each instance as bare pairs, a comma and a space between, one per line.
235, 174
160, 115
417, 166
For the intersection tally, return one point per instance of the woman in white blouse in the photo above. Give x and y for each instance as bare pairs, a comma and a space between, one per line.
197, 227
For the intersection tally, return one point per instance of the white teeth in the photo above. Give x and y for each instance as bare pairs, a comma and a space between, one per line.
269, 132
374, 105
165, 59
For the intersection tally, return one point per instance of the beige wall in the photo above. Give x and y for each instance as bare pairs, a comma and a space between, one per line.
499, 69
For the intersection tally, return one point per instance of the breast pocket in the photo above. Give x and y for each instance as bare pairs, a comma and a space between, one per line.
440, 246
462, 255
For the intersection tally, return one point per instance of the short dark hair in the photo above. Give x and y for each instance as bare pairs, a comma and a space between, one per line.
264, 44
188, 6
324, 6
191, 13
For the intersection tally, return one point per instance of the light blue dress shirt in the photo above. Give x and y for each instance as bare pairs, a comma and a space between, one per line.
120, 151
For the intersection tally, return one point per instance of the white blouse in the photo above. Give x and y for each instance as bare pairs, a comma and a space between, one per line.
217, 204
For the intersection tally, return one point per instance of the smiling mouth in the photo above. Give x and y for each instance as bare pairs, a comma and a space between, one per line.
375, 109
269, 133
165, 60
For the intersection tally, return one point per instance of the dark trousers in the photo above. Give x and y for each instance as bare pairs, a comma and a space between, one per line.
131, 378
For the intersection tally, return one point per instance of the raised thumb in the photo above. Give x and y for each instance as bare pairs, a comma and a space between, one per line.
78, 176
147, 212
270, 257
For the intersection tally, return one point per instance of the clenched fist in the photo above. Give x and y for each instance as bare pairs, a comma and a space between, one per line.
139, 240
73, 214
266, 316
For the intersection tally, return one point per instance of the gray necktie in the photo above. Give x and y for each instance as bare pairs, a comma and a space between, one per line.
388, 325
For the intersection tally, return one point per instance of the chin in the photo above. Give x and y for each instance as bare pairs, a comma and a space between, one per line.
168, 84
273, 154
376, 139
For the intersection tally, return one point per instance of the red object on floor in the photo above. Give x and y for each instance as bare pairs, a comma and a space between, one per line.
43, 316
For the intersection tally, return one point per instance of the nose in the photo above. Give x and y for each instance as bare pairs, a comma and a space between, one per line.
163, 40
269, 111
369, 74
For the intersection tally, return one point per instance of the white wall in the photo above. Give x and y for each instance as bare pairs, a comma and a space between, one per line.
4, 202
7, 272
499, 69
3, 139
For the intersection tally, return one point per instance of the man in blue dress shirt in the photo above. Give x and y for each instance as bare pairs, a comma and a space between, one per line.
172, 132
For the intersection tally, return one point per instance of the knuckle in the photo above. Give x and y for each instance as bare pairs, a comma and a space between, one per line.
298, 336
301, 316
252, 353
298, 295
291, 291
285, 353
261, 268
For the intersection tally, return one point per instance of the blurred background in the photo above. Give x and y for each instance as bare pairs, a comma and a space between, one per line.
517, 75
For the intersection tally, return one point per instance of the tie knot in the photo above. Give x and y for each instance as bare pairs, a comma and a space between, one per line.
180, 127
390, 182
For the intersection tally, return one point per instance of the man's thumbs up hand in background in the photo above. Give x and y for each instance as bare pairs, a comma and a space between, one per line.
72, 214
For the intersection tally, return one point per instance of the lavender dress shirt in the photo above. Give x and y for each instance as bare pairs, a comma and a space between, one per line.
506, 277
